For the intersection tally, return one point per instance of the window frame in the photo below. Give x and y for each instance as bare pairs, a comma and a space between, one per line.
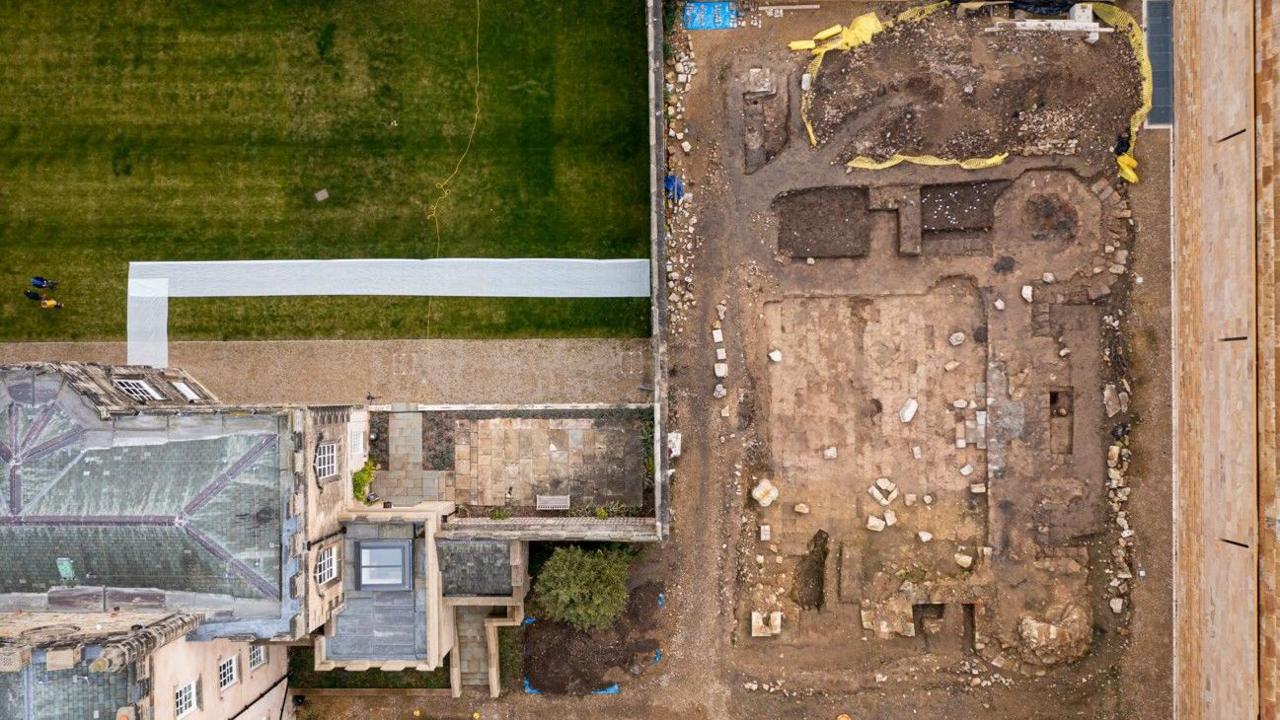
406, 564
185, 391
326, 458
258, 653
138, 389
179, 693
326, 560
232, 662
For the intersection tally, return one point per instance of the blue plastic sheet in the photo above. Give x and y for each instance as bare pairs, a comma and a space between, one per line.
529, 688
611, 690
710, 15
675, 188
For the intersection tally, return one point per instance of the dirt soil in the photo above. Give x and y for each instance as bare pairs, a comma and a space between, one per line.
561, 659
823, 222
942, 86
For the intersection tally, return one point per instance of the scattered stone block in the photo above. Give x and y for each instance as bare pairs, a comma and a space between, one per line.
908, 410
802, 508
890, 518
1110, 400
875, 524
960, 404
721, 354
878, 496
963, 560
1117, 605
951, 365
909, 500
719, 392
722, 370
885, 484
916, 452
956, 339
775, 355
978, 488
766, 533
925, 536
999, 304
674, 442
686, 147
717, 335
966, 470
775, 622
1028, 293
322, 194
830, 453
927, 499
764, 492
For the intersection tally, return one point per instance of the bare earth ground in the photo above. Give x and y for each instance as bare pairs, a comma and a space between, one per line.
711, 668
420, 371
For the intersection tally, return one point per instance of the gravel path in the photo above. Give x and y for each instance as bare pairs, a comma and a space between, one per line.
427, 371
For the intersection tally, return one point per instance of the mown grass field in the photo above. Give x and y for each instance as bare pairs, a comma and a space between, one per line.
153, 130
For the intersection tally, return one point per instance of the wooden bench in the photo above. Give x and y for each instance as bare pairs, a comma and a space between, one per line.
553, 502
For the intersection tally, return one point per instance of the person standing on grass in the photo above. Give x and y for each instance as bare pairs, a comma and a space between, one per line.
44, 283
49, 303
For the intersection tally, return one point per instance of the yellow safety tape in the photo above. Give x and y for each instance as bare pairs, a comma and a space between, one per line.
866, 163
1126, 25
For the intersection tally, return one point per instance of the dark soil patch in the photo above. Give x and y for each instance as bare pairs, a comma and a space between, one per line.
944, 87
303, 675
1051, 218
960, 206
437, 441
561, 659
1004, 265
823, 222
811, 579
379, 451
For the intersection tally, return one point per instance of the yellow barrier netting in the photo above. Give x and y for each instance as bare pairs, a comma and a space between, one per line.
1124, 24
865, 27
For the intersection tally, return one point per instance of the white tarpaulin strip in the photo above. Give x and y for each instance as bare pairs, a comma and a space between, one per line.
152, 283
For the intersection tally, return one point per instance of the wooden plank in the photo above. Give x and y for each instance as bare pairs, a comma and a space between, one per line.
1227, 237
1225, 28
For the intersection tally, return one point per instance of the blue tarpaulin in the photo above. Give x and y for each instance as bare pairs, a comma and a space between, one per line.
611, 690
529, 688
710, 15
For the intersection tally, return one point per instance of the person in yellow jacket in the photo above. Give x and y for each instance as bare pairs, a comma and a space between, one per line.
48, 303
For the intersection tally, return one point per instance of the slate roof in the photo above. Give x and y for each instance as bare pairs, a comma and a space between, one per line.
475, 567
188, 503
64, 694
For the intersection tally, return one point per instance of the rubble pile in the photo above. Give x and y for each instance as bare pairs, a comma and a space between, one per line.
681, 221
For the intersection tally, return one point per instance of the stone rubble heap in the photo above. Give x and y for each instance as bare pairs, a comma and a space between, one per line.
682, 222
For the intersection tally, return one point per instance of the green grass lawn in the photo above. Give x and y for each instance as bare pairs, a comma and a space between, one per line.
155, 130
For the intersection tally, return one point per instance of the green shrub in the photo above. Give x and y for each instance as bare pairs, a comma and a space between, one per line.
585, 588
361, 479
499, 513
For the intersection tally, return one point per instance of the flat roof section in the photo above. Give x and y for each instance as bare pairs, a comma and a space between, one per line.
1158, 18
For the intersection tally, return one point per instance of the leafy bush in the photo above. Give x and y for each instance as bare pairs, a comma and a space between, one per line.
587, 589
360, 480
499, 513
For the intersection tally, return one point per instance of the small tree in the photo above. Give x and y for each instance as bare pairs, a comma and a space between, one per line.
587, 589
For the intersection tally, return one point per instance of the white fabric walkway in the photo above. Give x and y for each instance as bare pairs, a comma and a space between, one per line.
151, 284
